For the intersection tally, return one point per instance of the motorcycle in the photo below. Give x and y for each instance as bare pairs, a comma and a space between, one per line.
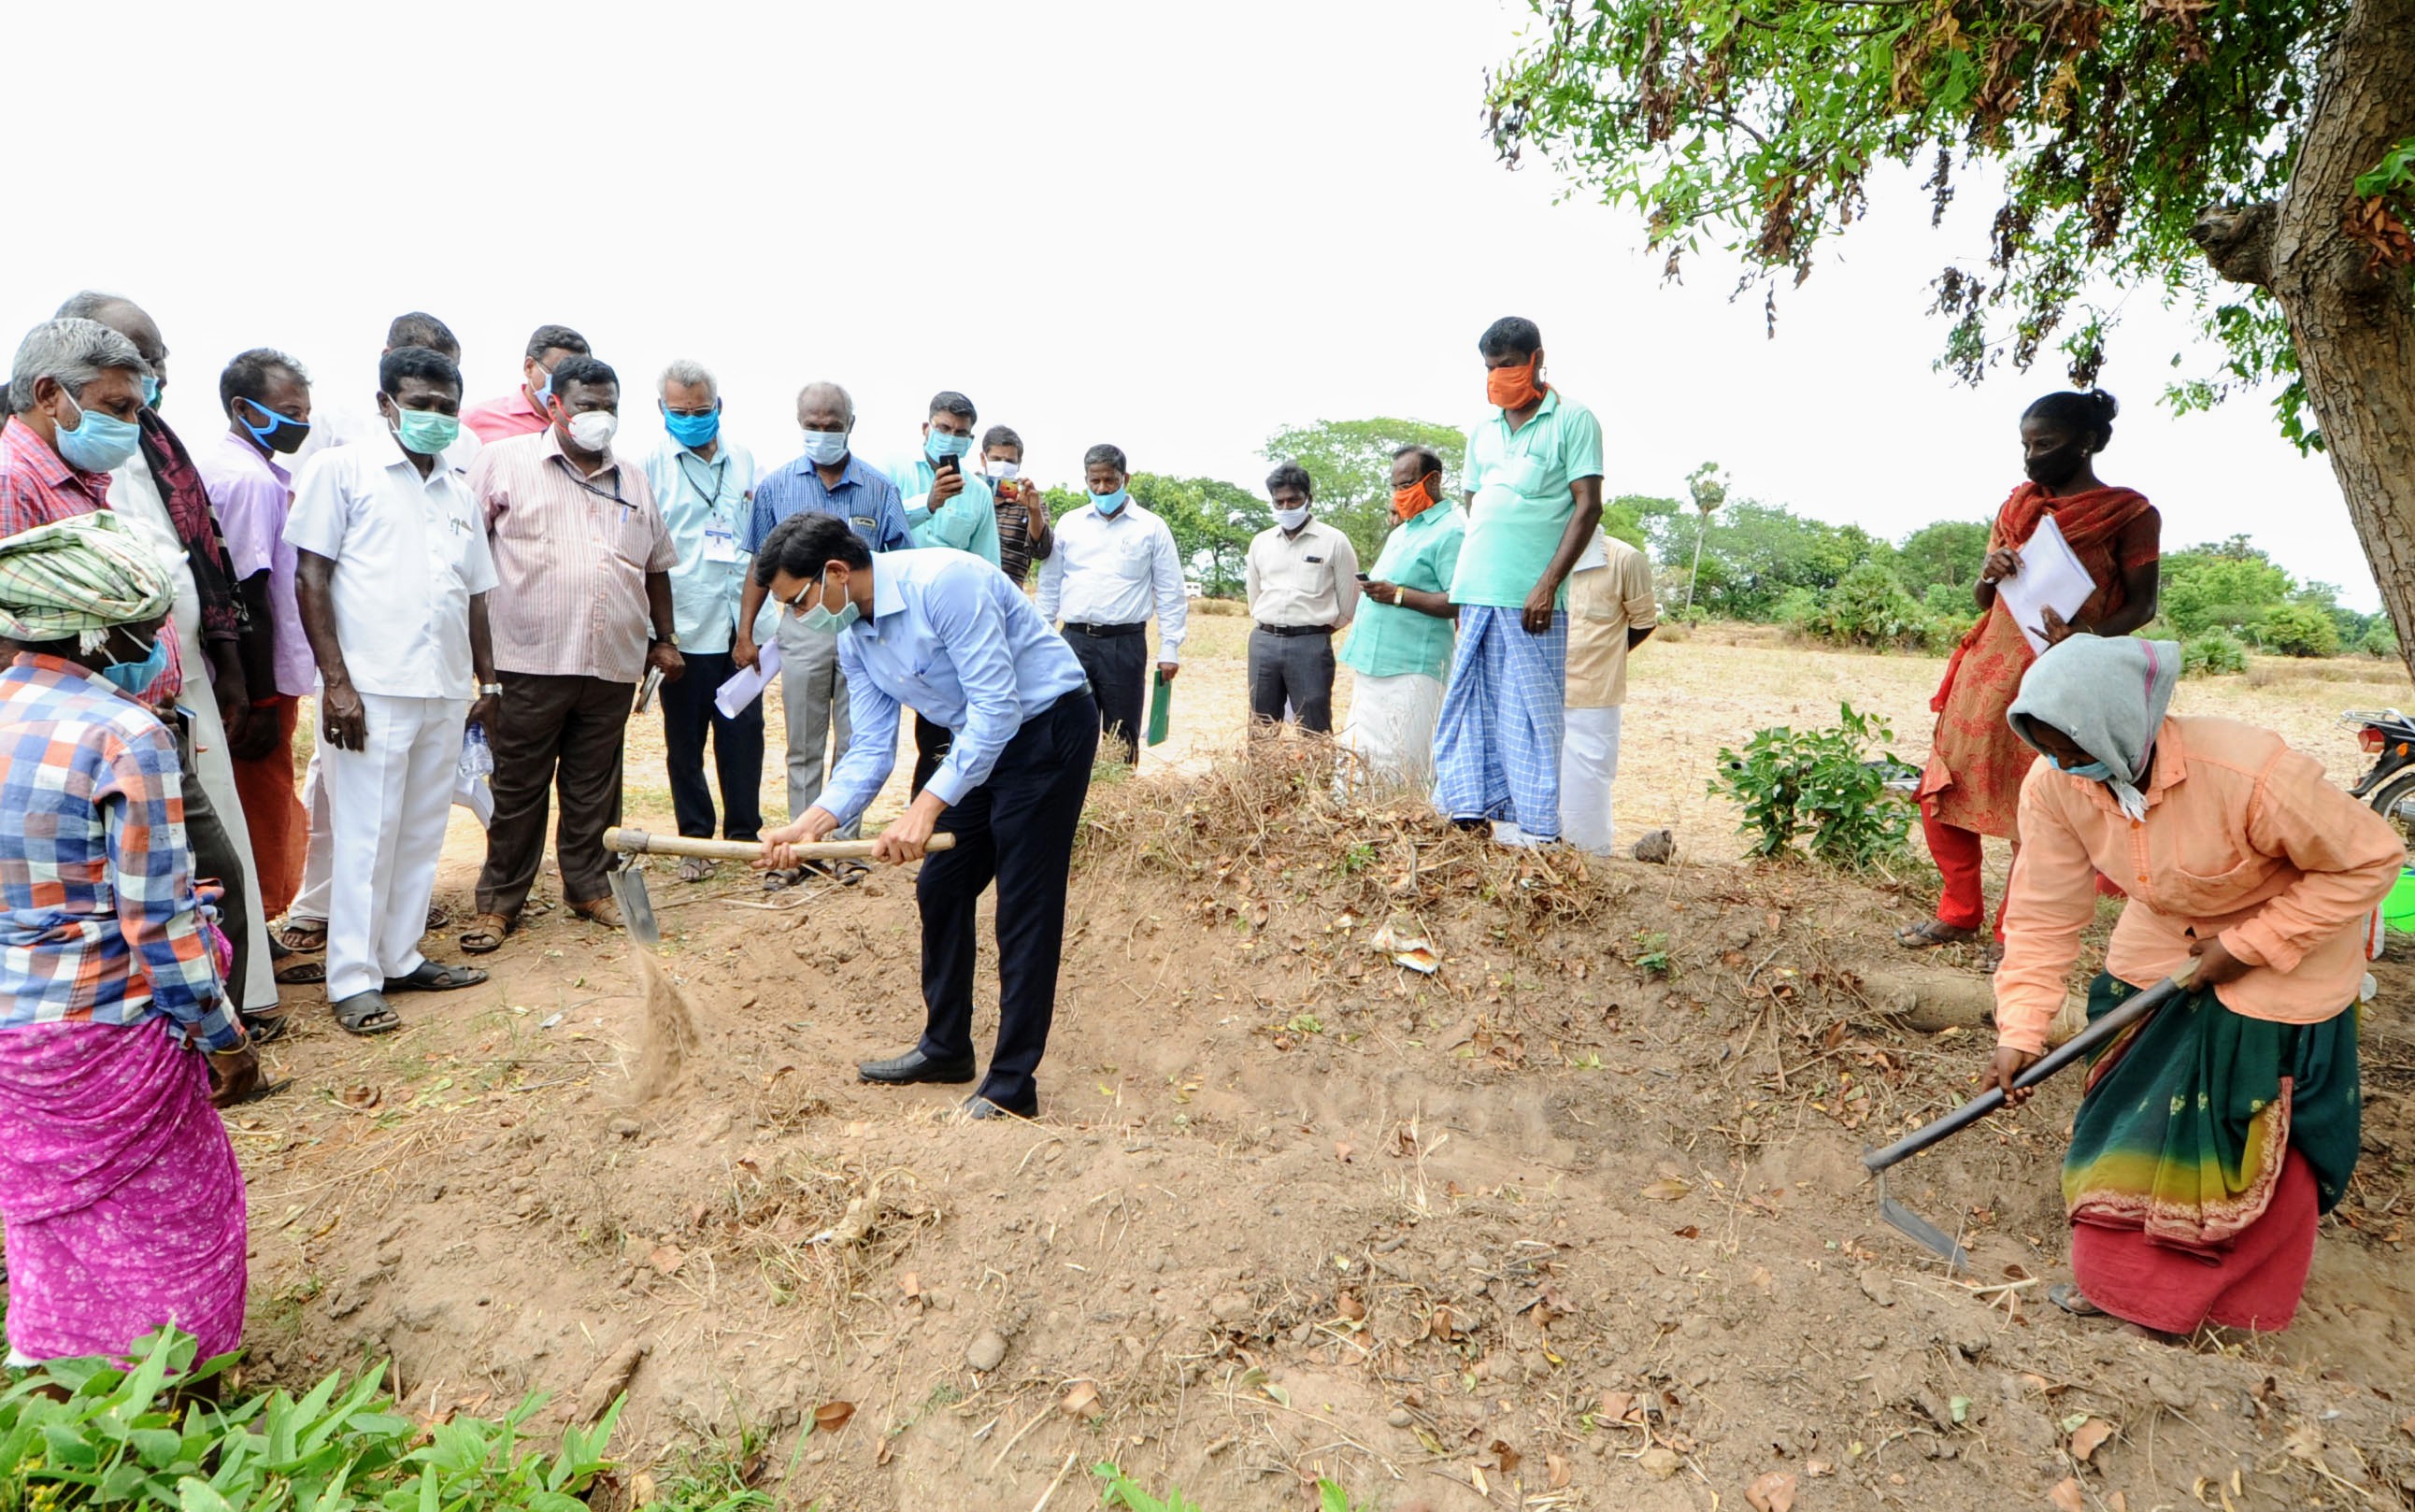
2389, 737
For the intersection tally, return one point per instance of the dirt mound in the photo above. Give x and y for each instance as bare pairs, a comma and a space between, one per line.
1573, 1220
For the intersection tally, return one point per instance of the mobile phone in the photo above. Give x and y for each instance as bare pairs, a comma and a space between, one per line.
947, 464
1362, 577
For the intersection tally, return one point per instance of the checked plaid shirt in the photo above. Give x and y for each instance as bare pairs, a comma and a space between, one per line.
98, 919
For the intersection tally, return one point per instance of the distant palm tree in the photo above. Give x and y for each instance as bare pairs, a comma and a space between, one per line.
1710, 491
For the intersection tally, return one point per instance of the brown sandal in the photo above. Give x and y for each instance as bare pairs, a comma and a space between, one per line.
485, 934
302, 936
602, 911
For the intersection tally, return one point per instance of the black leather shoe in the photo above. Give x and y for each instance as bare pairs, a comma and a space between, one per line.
978, 1107
914, 1066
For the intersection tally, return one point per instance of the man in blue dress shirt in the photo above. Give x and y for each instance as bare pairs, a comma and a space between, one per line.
945, 633
827, 479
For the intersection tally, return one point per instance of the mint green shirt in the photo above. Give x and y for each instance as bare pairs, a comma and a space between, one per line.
968, 521
1522, 485
1388, 639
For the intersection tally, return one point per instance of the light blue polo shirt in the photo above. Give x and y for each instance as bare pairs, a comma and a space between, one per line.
1523, 499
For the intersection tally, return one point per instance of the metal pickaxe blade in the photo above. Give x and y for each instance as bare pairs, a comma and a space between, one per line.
1918, 1229
628, 883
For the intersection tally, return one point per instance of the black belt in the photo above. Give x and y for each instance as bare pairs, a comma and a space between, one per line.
1106, 631
1299, 629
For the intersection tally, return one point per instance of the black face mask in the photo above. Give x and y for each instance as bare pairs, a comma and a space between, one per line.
2054, 469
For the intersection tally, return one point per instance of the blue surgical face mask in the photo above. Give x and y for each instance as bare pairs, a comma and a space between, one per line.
543, 392
939, 443
150, 392
1110, 503
693, 431
137, 677
826, 448
821, 620
98, 442
2095, 771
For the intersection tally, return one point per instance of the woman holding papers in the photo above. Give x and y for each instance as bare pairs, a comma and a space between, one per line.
2091, 552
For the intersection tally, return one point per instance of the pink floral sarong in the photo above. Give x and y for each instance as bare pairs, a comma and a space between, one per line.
120, 1191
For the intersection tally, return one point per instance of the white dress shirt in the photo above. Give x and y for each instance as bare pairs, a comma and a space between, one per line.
1308, 578
408, 554
1109, 569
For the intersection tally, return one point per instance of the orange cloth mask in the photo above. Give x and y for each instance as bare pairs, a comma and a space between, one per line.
1413, 500
1515, 388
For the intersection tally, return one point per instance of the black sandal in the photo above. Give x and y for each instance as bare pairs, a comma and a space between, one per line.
266, 1028
2066, 1296
433, 978
302, 973
367, 1013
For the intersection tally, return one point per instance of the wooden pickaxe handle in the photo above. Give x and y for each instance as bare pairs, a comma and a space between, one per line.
634, 842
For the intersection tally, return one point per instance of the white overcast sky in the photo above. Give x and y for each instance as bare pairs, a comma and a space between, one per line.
1174, 228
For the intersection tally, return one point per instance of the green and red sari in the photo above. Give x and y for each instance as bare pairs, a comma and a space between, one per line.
2207, 1146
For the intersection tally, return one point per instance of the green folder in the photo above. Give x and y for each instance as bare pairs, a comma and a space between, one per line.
1161, 709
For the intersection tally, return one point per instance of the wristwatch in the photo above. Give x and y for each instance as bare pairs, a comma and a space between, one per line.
490, 689
671, 640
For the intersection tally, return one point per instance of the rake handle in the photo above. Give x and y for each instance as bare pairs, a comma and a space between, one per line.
636, 841
2086, 1043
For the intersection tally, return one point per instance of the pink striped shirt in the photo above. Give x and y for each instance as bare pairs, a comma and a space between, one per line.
571, 554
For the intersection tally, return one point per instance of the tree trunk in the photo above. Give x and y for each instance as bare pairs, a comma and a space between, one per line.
2354, 329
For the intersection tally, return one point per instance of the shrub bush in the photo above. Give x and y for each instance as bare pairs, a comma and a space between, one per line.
2299, 630
1867, 607
2214, 653
1822, 785
2380, 640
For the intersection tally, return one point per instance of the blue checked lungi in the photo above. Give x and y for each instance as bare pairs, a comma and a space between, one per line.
1497, 749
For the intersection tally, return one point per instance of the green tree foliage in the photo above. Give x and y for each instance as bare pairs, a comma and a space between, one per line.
1212, 522
1753, 552
2226, 585
1350, 461
2299, 630
1946, 554
2255, 160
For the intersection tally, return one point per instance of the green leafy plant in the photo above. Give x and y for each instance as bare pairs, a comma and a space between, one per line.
1120, 1491
1821, 785
1653, 956
2215, 653
1868, 606
86, 1433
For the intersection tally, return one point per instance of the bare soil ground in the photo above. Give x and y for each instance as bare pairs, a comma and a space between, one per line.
1576, 1221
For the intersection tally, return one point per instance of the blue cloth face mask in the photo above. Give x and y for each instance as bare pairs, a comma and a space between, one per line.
1111, 504
693, 431
137, 677
822, 620
98, 442
825, 448
939, 444
282, 434
2095, 771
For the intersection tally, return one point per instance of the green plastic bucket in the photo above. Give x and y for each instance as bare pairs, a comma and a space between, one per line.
2398, 909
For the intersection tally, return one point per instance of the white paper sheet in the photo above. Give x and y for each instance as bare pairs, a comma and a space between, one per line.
2050, 577
742, 689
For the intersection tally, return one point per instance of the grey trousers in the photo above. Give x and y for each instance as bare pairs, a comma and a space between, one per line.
812, 695
1294, 671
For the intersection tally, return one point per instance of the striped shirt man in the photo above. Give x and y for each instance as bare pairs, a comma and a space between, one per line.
571, 554
95, 879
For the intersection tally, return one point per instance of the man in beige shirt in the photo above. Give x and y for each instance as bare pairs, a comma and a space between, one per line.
581, 611
1303, 580
1611, 611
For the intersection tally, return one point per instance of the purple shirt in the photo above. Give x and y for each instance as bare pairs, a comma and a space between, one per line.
252, 496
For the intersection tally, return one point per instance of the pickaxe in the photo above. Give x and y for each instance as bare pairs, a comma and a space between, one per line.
2080, 1046
629, 883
